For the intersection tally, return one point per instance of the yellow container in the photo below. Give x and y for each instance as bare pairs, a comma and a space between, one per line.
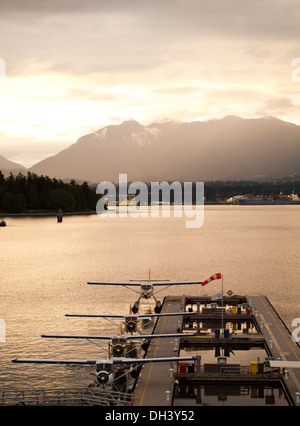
234, 310
253, 367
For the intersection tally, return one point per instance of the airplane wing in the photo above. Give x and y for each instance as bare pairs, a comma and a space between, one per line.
168, 314
68, 336
96, 316
55, 361
101, 360
127, 284
166, 283
282, 364
149, 360
178, 283
130, 315
141, 336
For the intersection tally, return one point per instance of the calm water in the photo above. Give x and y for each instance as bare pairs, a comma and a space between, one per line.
45, 267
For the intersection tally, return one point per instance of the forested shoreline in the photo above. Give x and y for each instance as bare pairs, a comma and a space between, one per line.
28, 193
31, 193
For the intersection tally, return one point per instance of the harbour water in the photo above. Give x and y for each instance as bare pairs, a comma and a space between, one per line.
45, 267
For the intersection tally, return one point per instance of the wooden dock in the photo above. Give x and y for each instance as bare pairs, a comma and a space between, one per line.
279, 341
156, 384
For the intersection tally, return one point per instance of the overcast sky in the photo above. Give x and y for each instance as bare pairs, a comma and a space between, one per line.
72, 67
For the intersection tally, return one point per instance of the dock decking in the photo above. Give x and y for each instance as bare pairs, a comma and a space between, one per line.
155, 386
279, 341
156, 378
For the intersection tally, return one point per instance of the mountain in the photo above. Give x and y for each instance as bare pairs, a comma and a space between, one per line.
231, 148
7, 166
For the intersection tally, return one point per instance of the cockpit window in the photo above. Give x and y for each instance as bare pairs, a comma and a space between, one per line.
147, 287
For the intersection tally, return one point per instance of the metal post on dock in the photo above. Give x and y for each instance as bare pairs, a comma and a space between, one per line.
183, 303
175, 345
198, 364
222, 306
59, 215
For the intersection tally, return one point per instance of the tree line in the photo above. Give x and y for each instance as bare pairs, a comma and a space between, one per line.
218, 190
23, 193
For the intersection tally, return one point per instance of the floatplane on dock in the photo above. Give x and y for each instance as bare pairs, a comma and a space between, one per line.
105, 367
118, 353
146, 289
132, 321
118, 345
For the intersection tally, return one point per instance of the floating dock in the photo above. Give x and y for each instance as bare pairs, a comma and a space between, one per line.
243, 353
156, 385
237, 324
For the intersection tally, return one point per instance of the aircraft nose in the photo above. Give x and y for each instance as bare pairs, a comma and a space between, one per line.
131, 326
118, 350
102, 377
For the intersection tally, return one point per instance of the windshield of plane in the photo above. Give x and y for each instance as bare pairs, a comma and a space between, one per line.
146, 287
118, 340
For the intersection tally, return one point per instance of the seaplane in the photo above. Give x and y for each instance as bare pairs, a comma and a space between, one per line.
132, 321
105, 371
146, 289
118, 345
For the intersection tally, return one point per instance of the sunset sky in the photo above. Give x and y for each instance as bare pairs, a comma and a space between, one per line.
72, 67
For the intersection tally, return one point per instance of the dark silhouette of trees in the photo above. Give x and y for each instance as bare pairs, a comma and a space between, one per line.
218, 190
19, 194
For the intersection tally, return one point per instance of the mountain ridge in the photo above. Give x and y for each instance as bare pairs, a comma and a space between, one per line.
9, 165
229, 148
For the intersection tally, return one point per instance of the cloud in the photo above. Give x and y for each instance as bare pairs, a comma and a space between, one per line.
112, 36
231, 17
278, 107
41, 7
91, 94
71, 64
178, 90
